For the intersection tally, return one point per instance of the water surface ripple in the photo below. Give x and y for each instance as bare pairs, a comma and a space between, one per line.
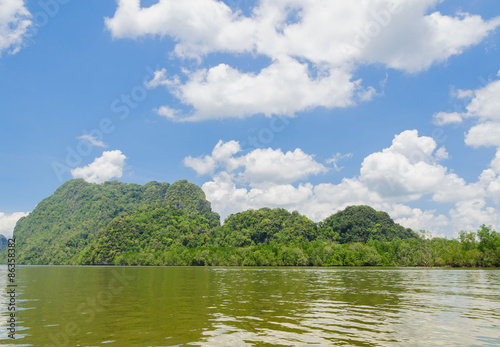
178, 306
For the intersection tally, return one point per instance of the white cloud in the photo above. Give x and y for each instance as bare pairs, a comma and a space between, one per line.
160, 79
495, 163
442, 154
263, 166
464, 94
425, 220
227, 198
444, 118
314, 47
483, 134
200, 26
94, 140
486, 103
484, 106
109, 165
8, 222
480, 201
322, 32
283, 88
416, 40
202, 165
258, 167
222, 156
14, 22
167, 112
389, 180
470, 214
408, 169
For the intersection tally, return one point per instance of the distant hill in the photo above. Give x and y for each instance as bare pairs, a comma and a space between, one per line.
139, 236
62, 225
362, 224
119, 223
266, 225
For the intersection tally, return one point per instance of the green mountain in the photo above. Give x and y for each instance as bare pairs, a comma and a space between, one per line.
265, 226
161, 223
143, 236
64, 224
362, 224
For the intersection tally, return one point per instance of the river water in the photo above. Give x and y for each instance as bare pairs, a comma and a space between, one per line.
202, 306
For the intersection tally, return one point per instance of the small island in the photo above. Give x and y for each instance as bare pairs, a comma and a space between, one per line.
159, 224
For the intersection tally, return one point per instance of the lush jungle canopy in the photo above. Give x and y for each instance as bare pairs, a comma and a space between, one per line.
173, 224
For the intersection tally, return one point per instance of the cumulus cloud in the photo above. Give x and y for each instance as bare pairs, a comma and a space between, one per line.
15, 20
8, 222
314, 48
483, 134
109, 165
200, 26
416, 40
258, 167
418, 220
268, 165
320, 31
475, 208
485, 104
484, 107
469, 214
391, 180
408, 169
222, 156
285, 87
495, 163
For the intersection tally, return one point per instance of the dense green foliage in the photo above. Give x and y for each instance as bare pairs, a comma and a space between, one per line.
264, 226
148, 233
362, 224
62, 225
163, 224
398, 252
145, 236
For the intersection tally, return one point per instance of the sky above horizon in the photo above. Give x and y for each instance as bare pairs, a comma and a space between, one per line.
309, 105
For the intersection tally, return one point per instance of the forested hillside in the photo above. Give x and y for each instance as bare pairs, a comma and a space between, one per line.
62, 225
144, 235
362, 224
163, 224
265, 226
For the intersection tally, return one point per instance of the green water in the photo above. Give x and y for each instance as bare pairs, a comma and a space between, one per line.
169, 306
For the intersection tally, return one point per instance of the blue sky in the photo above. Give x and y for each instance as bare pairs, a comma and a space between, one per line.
307, 105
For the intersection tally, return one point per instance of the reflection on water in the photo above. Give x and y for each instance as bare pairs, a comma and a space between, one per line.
166, 306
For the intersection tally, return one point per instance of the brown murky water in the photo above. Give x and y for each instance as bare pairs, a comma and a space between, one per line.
176, 306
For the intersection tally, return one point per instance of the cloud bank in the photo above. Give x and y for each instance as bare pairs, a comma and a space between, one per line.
313, 48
